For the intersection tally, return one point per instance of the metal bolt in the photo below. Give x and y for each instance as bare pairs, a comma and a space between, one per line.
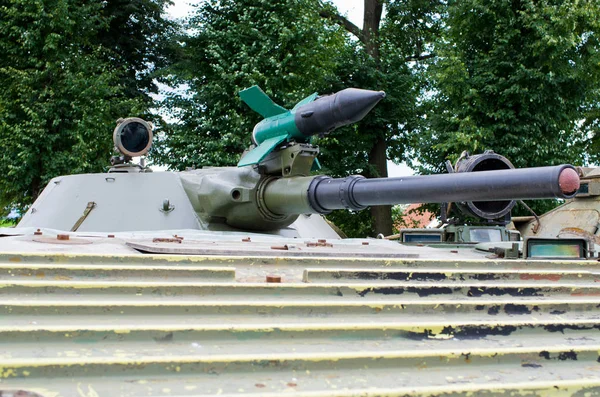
38, 232
279, 247
273, 279
246, 240
62, 237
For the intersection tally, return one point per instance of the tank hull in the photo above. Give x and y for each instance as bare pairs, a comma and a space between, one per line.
105, 316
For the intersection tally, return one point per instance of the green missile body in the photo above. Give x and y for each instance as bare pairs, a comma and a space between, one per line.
311, 116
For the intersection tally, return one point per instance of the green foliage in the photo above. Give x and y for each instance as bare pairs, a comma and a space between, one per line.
353, 224
141, 42
4, 222
346, 151
283, 46
61, 93
516, 77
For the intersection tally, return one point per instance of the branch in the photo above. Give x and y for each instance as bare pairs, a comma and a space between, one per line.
343, 22
421, 57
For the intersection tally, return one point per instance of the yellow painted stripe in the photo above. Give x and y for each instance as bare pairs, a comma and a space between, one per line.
435, 327
264, 303
139, 359
120, 268
241, 285
15, 257
550, 388
450, 270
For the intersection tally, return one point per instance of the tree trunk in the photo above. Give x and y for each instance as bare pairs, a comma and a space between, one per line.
369, 37
371, 21
36, 187
382, 215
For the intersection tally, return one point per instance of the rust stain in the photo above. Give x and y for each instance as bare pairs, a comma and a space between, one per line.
585, 294
575, 231
273, 279
167, 240
40, 275
539, 277
15, 259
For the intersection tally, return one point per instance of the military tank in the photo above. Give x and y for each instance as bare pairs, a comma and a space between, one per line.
229, 281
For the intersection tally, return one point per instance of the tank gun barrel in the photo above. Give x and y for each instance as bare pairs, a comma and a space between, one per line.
323, 194
270, 189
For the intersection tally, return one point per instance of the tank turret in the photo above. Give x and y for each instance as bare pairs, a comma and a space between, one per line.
249, 200
272, 185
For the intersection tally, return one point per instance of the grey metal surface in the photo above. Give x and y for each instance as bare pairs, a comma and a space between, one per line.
74, 324
124, 202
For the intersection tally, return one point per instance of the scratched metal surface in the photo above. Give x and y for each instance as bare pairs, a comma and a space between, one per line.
83, 324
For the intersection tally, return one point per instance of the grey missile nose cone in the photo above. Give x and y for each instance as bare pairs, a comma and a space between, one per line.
330, 112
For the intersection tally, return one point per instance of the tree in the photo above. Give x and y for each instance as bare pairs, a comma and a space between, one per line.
60, 96
518, 77
290, 49
141, 43
283, 46
385, 55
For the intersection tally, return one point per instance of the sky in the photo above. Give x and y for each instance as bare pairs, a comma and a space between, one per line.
351, 9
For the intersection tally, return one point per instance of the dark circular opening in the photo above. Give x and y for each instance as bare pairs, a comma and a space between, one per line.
236, 194
491, 209
491, 165
134, 137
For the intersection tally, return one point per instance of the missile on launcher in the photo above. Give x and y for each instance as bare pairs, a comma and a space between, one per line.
311, 116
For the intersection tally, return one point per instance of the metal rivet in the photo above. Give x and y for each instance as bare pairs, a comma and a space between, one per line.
111, 236
38, 232
365, 243
62, 237
246, 240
